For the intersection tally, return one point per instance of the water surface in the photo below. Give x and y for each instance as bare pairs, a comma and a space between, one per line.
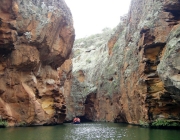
88, 131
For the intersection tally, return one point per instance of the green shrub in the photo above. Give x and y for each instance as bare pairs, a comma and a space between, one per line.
163, 122
3, 123
143, 123
21, 124
160, 122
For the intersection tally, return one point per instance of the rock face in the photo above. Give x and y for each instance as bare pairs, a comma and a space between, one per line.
145, 95
96, 80
139, 79
89, 57
36, 38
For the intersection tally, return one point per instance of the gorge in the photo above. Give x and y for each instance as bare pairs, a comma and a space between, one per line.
127, 74
130, 74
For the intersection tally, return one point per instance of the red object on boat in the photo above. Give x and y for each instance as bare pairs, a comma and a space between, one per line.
76, 120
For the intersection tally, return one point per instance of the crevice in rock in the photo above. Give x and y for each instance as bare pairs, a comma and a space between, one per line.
111, 79
7, 37
20, 34
121, 118
4, 51
159, 102
90, 107
174, 9
84, 119
152, 55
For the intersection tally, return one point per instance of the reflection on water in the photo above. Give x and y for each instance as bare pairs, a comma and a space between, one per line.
88, 131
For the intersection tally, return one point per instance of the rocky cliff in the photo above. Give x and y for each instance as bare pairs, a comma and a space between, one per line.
133, 76
36, 38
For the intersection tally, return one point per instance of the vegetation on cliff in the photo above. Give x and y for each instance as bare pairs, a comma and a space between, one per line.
134, 74
3, 123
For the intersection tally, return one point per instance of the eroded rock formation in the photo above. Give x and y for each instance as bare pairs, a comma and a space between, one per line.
36, 38
139, 79
96, 80
147, 40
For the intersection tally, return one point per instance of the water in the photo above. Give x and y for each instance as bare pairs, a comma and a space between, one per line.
88, 131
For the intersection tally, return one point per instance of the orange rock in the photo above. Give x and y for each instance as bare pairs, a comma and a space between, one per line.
139, 80
33, 44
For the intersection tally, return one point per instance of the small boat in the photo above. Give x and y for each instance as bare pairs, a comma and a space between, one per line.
76, 120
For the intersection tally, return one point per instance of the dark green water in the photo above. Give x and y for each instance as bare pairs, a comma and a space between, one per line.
88, 131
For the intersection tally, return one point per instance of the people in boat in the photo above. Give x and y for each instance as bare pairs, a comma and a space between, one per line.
76, 120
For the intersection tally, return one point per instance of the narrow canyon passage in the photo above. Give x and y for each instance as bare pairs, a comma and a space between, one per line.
126, 74
130, 73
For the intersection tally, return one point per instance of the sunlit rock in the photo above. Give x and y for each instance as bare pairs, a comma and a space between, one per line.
36, 39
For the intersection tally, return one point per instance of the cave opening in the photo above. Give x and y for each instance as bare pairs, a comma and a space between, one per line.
175, 13
84, 119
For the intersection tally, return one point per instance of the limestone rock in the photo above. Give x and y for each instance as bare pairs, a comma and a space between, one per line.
36, 38
139, 79
144, 94
169, 67
95, 77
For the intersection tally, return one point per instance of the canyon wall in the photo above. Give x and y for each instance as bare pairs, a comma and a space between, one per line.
145, 93
36, 39
96, 75
133, 76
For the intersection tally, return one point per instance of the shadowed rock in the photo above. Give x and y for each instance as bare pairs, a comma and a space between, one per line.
139, 79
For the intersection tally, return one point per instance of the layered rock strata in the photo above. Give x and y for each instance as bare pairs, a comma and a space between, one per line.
139, 80
146, 96
36, 38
